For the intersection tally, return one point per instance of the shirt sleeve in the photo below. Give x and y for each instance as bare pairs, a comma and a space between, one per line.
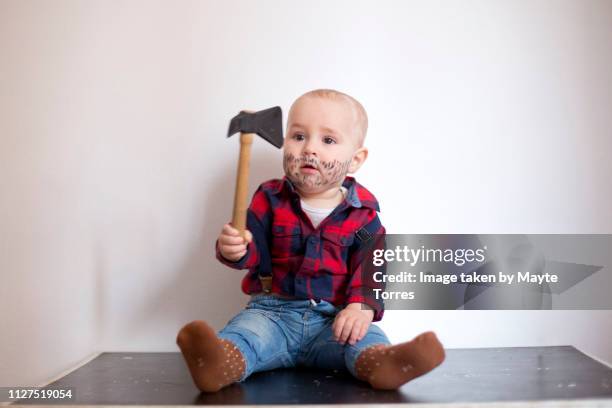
362, 284
258, 223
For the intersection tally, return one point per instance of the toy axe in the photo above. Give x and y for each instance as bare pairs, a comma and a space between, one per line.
268, 124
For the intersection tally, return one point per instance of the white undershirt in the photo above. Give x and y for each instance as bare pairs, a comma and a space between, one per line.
316, 214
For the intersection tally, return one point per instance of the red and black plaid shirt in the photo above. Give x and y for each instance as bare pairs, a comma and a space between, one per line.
307, 262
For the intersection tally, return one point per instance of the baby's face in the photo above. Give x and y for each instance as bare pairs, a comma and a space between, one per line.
320, 144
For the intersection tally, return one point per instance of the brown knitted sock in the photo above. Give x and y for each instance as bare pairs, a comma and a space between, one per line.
213, 362
388, 367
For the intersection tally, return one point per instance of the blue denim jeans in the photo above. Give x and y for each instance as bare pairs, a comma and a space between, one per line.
272, 332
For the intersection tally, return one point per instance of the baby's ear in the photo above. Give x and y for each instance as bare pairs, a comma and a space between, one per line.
359, 157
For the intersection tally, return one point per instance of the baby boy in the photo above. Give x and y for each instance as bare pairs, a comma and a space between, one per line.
306, 239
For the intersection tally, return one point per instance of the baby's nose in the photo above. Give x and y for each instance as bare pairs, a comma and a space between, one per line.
309, 148
309, 154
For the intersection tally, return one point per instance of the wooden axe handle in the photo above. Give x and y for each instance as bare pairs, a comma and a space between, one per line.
242, 183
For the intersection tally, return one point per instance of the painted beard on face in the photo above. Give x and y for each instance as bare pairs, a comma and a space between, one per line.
310, 174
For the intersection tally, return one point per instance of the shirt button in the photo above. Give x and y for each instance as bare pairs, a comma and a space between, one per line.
313, 240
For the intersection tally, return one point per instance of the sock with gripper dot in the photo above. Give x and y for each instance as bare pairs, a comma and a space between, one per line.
213, 362
388, 367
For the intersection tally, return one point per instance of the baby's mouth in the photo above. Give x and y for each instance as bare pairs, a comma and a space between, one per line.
308, 168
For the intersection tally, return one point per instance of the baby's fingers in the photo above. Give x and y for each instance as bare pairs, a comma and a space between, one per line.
233, 249
364, 330
346, 330
232, 235
229, 230
230, 240
355, 333
337, 326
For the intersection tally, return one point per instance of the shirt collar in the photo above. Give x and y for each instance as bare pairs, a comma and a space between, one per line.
357, 195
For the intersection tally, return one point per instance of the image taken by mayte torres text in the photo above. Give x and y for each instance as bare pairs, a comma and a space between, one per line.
457, 257
485, 271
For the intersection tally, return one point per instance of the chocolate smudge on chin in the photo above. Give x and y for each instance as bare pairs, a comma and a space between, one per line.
335, 172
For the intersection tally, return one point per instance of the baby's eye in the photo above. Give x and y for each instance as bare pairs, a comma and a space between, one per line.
298, 136
328, 140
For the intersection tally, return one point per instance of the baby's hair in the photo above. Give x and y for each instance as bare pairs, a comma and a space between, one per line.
359, 113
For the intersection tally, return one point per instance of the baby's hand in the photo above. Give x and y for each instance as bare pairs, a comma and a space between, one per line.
231, 245
352, 323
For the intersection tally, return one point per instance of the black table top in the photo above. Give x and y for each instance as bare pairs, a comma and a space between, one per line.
467, 375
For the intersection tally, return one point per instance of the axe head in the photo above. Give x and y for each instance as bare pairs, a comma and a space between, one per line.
267, 123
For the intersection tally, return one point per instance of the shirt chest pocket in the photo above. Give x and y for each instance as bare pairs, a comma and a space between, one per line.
286, 241
335, 247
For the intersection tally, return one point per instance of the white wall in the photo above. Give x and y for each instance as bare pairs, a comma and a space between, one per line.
115, 175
